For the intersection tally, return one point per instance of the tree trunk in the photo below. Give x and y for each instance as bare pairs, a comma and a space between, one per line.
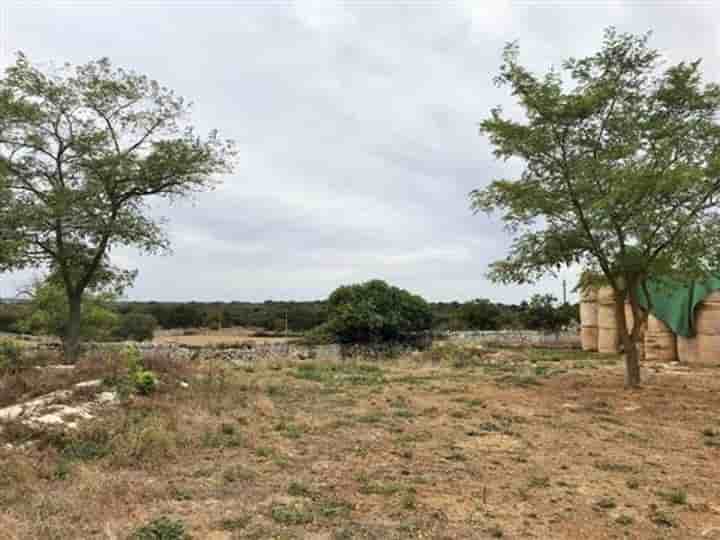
71, 340
630, 350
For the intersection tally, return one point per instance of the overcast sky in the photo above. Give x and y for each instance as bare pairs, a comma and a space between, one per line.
357, 126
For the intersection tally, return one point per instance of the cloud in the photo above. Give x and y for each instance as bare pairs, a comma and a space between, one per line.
357, 126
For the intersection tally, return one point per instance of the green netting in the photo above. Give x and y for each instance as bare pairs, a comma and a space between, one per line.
674, 303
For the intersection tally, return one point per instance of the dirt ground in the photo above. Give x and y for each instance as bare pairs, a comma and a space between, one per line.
456, 443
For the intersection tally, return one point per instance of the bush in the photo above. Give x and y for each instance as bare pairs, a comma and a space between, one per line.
162, 528
145, 382
10, 358
136, 326
376, 311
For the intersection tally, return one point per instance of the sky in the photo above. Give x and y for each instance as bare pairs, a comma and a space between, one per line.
356, 125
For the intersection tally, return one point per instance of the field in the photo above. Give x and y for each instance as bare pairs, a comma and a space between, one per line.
205, 337
452, 443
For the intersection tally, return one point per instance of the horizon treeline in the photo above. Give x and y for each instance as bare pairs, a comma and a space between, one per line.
542, 312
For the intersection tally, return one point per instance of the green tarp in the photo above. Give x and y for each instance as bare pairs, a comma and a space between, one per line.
674, 303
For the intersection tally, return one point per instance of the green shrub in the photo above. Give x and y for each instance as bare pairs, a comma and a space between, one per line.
136, 326
144, 382
162, 528
11, 360
375, 311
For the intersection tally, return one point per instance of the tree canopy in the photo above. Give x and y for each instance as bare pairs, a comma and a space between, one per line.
81, 151
621, 155
375, 311
48, 313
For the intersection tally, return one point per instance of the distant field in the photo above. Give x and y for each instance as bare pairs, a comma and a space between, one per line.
449, 444
213, 337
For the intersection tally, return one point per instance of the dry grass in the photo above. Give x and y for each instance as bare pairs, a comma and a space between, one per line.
456, 444
200, 337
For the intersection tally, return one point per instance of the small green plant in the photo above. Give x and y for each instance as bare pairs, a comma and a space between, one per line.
624, 520
291, 515
495, 532
380, 488
133, 359
11, 360
632, 483
162, 528
235, 524
264, 452
674, 496
237, 473
62, 470
144, 382
662, 519
539, 482
298, 489
605, 503
409, 500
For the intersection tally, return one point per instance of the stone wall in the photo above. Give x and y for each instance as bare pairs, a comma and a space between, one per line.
251, 352
516, 337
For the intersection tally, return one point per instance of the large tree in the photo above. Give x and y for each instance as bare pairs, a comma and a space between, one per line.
82, 151
621, 172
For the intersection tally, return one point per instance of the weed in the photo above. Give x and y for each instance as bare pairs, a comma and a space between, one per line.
371, 418
264, 452
235, 524
662, 519
380, 488
180, 494
409, 501
298, 489
162, 528
616, 467
93, 442
674, 496
291, 514
237, 473
519, 380
62, 470
291, 431
624, 519
632, 483
145, 382
226, 436
605, 503
495, 532
332, 508
538, 482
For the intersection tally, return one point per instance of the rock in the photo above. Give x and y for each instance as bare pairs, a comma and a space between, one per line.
89, 384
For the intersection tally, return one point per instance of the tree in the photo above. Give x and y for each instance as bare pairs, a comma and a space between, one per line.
480, 314
49, 312
543, 314
375, 311
621, 173
136, 326
185, 316
82, 151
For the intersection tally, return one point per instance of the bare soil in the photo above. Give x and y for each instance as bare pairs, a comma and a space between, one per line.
456, 443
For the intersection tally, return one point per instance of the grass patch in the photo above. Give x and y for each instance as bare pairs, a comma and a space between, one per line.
674, 496
287, 514
357, 374
162, 528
